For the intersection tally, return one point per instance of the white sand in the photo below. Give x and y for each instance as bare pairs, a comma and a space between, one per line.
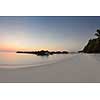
78, 68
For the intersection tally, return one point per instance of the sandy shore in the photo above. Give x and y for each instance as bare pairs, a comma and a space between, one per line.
78, 68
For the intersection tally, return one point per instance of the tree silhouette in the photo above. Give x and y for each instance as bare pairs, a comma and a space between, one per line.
97, 33
93, 45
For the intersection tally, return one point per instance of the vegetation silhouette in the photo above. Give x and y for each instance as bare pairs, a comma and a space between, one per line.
43, 52
93, 45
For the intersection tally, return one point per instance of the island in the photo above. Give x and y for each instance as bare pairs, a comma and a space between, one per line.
43, 52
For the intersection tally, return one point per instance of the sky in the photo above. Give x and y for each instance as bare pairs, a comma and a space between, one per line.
46, 32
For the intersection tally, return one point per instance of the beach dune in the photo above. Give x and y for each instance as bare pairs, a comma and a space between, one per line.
78, 68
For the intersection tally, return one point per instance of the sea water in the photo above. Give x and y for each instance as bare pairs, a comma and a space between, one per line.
18, 60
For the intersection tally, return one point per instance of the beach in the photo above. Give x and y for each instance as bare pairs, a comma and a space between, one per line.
78, 68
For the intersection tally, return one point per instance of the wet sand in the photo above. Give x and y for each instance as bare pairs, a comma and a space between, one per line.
80, 68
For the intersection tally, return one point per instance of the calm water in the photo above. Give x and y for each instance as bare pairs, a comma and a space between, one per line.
15, 60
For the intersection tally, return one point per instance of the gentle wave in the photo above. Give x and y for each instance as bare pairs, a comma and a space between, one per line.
7, 66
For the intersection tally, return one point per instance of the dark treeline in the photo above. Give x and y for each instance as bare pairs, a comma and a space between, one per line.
43, 52
93, 45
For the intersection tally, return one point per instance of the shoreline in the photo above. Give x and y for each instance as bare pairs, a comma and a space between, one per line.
80, 68
26, 66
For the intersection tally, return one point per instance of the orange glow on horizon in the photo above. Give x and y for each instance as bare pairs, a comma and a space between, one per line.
28, 49
21, 47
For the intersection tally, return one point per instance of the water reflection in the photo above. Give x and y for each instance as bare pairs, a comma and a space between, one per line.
44, 57
13, 59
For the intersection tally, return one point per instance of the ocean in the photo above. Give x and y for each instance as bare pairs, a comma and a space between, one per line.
16, 60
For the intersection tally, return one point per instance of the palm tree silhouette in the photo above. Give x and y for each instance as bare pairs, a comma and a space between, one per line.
97, 33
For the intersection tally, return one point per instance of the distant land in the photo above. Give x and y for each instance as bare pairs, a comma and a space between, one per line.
93, 45
43, 52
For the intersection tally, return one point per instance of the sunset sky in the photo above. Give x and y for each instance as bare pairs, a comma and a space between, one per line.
47, 33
